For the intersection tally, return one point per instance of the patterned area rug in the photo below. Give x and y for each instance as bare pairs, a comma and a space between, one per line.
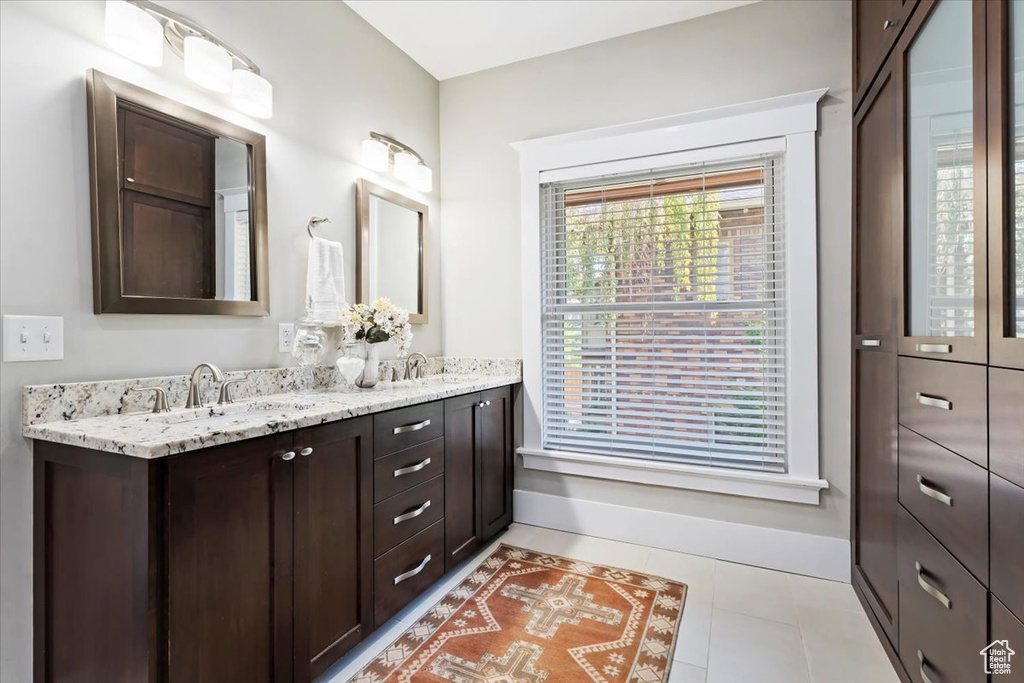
525, 617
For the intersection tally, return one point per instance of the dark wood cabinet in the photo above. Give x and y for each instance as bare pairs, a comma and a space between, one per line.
496, 461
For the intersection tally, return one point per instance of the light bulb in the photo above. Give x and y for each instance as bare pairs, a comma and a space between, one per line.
375, 155
252, 94
405, 167
424, 179
207, 64
134, 32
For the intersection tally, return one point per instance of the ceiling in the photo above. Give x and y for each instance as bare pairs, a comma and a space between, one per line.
451, 38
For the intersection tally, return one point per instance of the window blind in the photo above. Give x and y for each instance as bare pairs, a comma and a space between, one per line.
663, 315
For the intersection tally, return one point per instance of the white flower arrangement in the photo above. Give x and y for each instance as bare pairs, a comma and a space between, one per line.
378, 322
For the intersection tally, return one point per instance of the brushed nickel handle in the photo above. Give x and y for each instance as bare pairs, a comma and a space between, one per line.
874, 343
412, 468
887, 24
412, 513
481, 404
923, 663
290, 455
934, 401
159, 398
404, 429
934, 348
930, 589
412, 572
306, 451
130, 180
932, 492
487, 403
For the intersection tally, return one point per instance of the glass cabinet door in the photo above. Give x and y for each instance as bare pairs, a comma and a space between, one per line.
943, 312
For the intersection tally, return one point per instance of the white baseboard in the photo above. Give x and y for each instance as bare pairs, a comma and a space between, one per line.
790, 551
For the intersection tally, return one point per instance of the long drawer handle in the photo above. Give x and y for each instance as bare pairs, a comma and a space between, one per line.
412, 513
871, 342
404, 429
930, 589
924, 663
934, 401
934, 348
412, 468
932, 492
412, 572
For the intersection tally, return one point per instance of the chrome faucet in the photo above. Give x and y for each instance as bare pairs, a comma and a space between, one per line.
418, 369
195, 400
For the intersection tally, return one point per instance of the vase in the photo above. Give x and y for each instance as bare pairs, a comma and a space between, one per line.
370, 375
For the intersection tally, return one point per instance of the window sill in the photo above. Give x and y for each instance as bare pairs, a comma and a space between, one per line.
733, 482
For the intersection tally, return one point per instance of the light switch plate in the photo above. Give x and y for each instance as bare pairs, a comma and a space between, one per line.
33, 337
285, 337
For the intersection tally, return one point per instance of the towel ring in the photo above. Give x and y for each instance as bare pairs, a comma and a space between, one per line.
315, 222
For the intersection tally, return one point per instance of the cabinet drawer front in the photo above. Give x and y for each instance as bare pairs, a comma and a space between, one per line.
949, 496
1005, 626
1007, 581
406, 427
1006, 423
406, 514
405, 469
943, 610
403, 573
947, 403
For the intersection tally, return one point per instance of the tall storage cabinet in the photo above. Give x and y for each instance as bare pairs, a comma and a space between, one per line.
938, 323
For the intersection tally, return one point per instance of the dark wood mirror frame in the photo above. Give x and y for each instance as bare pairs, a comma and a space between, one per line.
103, 94
364, 190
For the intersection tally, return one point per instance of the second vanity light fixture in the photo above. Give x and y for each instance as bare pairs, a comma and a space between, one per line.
138, 28
379, 151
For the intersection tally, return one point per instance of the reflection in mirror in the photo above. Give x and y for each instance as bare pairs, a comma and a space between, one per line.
233, 225
1016, 250
390, 259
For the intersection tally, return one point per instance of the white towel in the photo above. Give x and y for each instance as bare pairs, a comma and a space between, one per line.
325, 280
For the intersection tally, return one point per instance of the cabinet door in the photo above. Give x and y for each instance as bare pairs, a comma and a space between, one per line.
876, 23
1006, 183
877, 205
462, 524
229, 559
941, 73
333, 542
496, 464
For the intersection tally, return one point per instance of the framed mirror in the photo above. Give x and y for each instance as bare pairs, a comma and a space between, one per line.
391, 249
179, 206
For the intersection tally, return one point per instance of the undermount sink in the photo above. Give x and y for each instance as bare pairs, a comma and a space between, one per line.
227, 413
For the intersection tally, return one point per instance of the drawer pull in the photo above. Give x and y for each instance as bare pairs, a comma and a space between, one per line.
405, 429
934, 401
934, 348
306, 451
412, 513
412, 468
288, 456
924, 663
930, 589
932, 492
871, 342
412, 572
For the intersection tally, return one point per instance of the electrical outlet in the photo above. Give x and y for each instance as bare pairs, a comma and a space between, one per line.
33, 337
285, 337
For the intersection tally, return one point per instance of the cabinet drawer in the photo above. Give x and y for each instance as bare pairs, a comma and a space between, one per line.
949, 496
403, 470
406, 514
1007, 580
943, 610
1005, 626
947, 403
406, 427
1006, 424
403, 573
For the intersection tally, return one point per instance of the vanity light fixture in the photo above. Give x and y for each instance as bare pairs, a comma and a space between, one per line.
138, 28
379, 151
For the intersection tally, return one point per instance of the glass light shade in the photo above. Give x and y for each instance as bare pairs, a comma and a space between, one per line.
405, 167
207, 64
375, 155
134, 32
424, 180
252, 94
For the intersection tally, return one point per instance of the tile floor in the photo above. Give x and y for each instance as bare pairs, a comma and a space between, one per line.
740, 625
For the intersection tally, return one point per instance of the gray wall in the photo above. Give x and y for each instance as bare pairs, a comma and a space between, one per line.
753, 52
335, 78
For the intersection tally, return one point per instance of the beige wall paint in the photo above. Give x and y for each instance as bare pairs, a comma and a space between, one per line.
335, 78
753, 52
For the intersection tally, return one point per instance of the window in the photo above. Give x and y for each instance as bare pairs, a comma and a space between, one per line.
664, 314
669, 284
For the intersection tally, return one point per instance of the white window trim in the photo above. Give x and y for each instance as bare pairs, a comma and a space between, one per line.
789, 122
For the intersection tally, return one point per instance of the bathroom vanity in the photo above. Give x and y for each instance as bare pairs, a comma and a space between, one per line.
260, 544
